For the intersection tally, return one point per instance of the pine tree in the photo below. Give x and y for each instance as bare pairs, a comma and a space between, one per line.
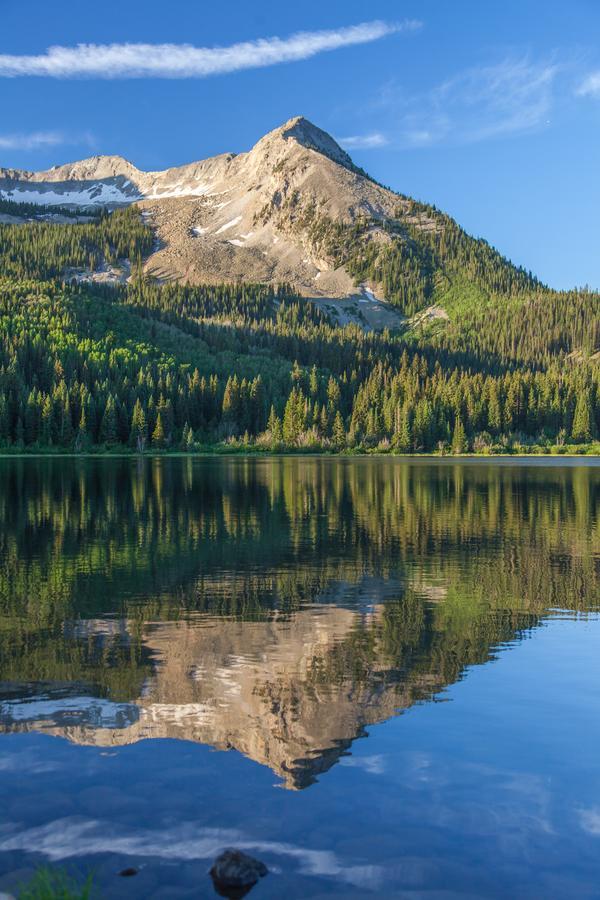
108, 426
81, 438
158, 435
404, 436
32, 418
582, 430
333, 395
294, 417
187, 438
47, 425
458, 437
274, 428
296, 374
257, 405
165, 409
231, 406
323, 422
191, 442
139, 431
494, 410
66, 426
338, 432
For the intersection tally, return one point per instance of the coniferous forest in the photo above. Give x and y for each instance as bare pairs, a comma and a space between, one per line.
139, 365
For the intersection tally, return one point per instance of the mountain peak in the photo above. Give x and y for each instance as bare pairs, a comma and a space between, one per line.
310, 136
100, 166
267, 215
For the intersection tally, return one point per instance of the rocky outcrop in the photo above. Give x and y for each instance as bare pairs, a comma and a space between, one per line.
234, 873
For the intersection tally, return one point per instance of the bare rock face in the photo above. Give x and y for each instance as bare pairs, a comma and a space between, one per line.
267, 215
234, 873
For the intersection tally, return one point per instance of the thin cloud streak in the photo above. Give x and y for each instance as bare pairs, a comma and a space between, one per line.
78, 836
33, 141
38, 140
364, 141
187, 61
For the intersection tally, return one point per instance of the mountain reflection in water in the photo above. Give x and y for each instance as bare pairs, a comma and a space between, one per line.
278, 607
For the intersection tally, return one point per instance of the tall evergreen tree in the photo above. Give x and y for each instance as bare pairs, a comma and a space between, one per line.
108, 426
582, 430
338, 432
458, 437
158, 435
139, 429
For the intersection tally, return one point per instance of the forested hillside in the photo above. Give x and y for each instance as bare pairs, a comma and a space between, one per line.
510, 366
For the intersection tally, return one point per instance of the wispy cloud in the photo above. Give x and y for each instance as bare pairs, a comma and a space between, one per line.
37, 140
511, 97
187, 61
30, 141
374, 764
364, 141
590, 820
78, 836
590, 86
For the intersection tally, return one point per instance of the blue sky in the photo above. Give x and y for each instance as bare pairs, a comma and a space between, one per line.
489, 110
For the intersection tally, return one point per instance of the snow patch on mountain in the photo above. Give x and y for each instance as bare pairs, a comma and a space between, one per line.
178, 190
228, 225
98, 194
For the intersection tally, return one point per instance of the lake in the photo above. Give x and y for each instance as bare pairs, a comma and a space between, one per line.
379, 676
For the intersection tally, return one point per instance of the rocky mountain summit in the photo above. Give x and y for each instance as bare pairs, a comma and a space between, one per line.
283, 212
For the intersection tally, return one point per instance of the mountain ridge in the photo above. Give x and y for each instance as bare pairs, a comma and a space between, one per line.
297, 127
255, 216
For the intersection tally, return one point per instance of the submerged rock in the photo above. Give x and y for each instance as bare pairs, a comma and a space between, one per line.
234, 873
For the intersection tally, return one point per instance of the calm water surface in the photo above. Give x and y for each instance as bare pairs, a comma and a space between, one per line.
381, 677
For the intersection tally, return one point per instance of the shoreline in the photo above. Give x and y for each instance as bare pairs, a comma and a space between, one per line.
218, 453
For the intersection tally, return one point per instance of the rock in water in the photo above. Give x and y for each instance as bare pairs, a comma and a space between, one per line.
234, 873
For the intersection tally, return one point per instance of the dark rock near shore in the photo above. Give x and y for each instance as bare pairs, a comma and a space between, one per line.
234, 873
